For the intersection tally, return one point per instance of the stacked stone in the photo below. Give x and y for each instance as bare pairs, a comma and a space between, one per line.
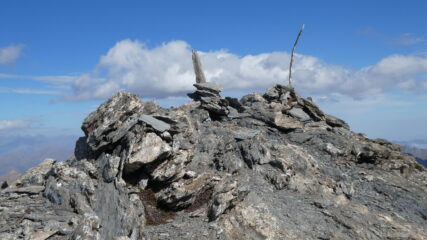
208, 95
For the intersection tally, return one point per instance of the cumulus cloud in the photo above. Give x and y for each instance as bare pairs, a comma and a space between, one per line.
9, 54
7, 125
166, 70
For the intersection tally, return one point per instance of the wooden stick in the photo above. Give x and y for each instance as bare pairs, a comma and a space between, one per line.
197, 65
292, 54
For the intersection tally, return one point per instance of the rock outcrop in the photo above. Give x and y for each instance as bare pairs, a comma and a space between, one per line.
268, 166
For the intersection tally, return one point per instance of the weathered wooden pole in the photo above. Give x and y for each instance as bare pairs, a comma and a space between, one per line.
292, 55
200, 77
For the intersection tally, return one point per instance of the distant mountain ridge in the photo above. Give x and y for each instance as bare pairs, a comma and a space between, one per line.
419, 154
417, 143
20, 153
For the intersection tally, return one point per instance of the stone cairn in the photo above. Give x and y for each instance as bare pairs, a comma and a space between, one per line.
208, 93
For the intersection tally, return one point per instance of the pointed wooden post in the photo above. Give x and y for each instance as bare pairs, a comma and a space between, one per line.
197, 65
292, 55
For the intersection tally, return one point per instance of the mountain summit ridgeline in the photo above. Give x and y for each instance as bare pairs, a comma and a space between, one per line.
267, 166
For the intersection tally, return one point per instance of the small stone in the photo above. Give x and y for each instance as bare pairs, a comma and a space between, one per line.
300, 114
190, 174
233, 113
369, 178
330, 148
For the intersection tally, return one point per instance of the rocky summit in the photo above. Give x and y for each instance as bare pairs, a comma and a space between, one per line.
267, 166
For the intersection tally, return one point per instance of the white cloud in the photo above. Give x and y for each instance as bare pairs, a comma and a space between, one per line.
28, 91
166, 70
60, 79
7, 125
9, 54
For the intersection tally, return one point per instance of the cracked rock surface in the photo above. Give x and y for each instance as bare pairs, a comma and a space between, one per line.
267, 166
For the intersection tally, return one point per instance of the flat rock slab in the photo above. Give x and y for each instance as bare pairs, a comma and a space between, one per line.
209, 86
287, 123
154, 122
300, 114
336, 122
25, 190
43, 235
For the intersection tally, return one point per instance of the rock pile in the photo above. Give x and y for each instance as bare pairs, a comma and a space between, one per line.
267, 166
208, 93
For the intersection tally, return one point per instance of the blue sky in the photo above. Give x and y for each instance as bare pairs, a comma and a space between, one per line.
363, 61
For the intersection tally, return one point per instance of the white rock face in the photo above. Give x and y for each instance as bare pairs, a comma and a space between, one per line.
151, 149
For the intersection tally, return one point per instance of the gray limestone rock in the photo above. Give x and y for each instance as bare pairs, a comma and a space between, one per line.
300, 114
150, 150
336, 122
155, 123
267, 166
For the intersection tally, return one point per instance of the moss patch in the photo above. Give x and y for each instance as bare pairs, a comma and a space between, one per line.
153, 214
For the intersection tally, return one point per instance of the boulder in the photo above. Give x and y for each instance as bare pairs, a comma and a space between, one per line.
151, 149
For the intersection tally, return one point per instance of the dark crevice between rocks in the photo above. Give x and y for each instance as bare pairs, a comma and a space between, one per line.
216, 117
158, 212
156, 186
314, 117
133, 178
107, 149
235, 103
366, 159
154, 215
